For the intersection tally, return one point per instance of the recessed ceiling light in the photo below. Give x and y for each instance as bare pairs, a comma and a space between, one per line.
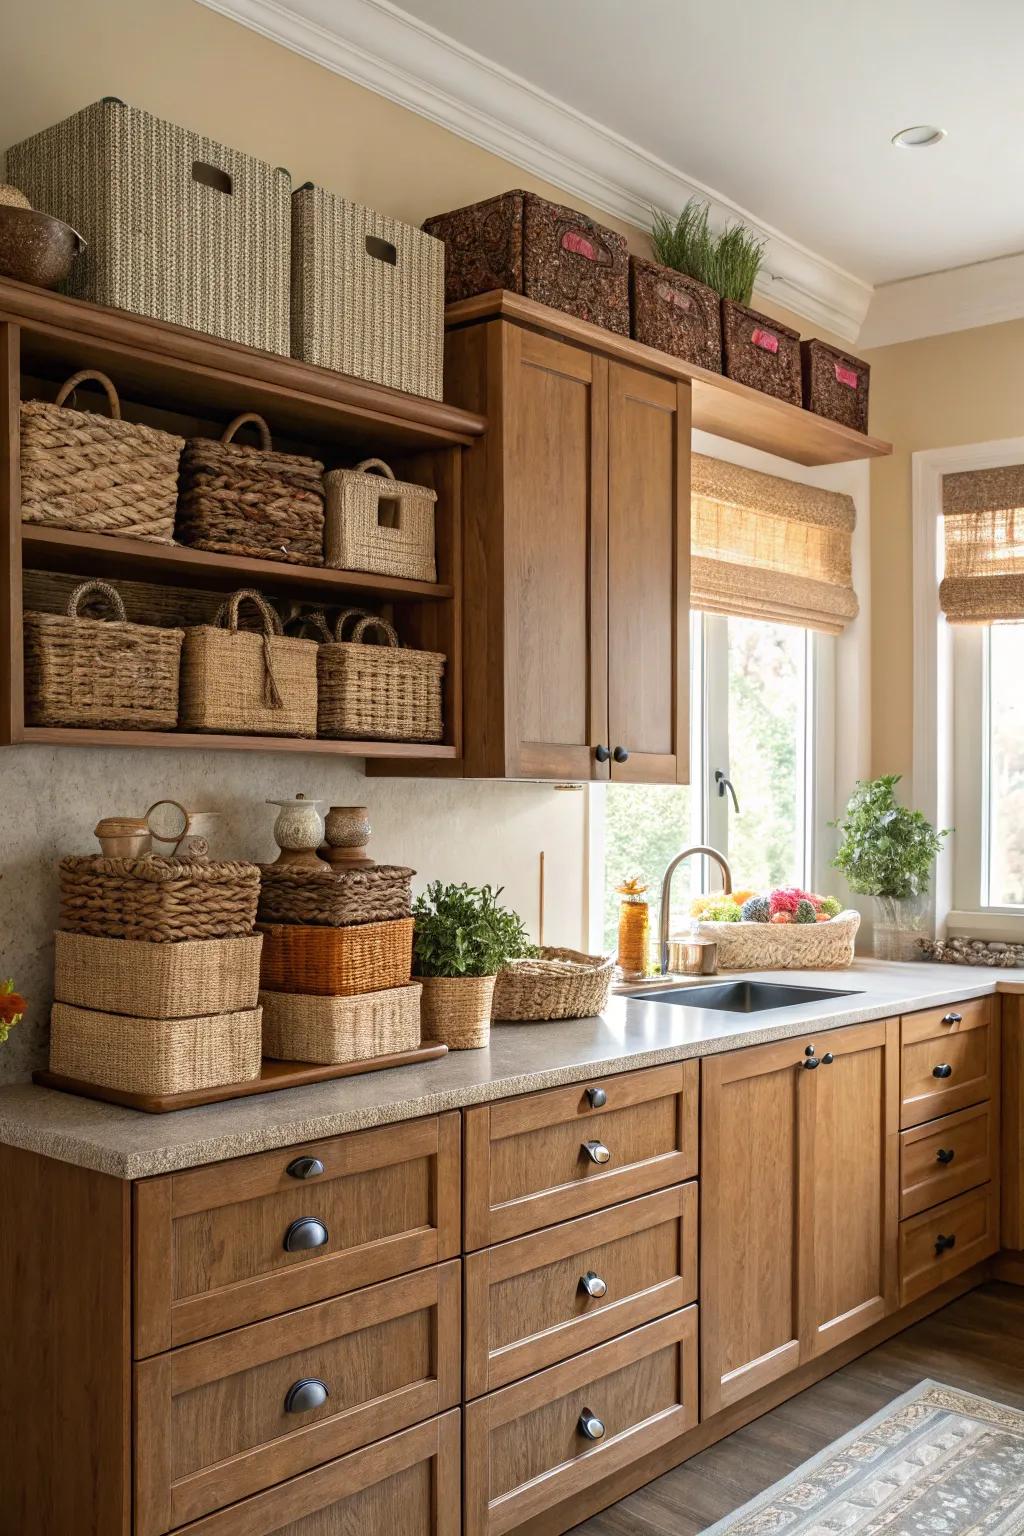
922, 136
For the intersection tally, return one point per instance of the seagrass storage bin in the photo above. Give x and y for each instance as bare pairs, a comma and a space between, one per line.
376, 523
97, 473
157, 981
104, 673
456, 1011
548, 252
675, 313
238, 500
836, 384
243, 683
334, 898
155, 1056
785, 946
156, 899
177, 226
378, 692
556, 984
756, 350
332, 1030
336, 962
367, 294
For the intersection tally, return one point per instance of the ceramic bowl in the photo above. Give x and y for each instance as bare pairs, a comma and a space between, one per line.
35, 248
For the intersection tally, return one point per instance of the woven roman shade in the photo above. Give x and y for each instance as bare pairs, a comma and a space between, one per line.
983, 524
767, 548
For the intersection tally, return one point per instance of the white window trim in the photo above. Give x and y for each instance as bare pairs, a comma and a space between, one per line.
936, 761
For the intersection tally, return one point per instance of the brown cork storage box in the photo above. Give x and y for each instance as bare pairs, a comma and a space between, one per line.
549, 253
756, 350
675, 313
835, 384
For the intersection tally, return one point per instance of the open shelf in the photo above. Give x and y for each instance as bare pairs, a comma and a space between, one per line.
75, 736
720, 405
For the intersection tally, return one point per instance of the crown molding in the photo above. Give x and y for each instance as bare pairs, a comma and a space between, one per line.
959, 299
381, 47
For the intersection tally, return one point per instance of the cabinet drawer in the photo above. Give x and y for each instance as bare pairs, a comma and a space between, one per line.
533, 1161
526, 1449
210, 1244
949, 1059
942, 1243
946, 1157
219, 1420
527, 1305
405, 1486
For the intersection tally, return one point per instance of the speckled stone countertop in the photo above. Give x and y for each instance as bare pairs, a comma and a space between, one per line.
521, 1059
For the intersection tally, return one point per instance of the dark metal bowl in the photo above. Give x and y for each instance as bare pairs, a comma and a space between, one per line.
35, 248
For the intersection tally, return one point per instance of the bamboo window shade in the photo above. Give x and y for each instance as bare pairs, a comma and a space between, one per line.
767, 548
983, 528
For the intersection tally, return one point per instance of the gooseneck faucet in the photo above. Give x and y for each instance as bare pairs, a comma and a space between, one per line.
666, 891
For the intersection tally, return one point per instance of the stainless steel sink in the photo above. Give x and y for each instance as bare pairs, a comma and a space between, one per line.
741, 996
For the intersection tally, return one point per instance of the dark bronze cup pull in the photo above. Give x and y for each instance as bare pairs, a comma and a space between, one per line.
305, 1233
305, 1395
953, 1018
305, 1168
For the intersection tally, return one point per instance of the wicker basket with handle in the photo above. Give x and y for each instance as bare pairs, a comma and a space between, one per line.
377, 523
297, 1027
158, 981
557, 984
158, 1056
156, 899
336, 962
100, 672
378, 692
785, 946
238, 500
98, 474
334, 898
239, 682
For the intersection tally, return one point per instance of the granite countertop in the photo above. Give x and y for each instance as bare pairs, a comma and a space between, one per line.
521, 1059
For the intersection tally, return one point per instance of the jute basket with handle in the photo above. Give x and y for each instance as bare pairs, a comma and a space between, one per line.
239, 682
98, 474
382, 692
374, 522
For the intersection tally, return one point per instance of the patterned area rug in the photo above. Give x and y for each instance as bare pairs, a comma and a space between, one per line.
936, 1462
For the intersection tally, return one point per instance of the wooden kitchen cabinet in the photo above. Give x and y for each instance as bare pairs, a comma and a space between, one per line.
799, 1210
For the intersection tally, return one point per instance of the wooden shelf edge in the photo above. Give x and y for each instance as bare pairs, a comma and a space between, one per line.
76, 736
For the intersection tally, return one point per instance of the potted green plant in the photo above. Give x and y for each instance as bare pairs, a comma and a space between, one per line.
462, 939
888, 852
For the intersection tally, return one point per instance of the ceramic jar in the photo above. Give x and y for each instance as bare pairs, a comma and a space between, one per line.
348, 832
299, 831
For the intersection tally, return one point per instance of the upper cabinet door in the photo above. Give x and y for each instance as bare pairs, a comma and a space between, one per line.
554, 451
648, 576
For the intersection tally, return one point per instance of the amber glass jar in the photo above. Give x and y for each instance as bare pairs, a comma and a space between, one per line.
634, 951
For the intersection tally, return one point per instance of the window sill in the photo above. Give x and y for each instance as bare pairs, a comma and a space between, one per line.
993, 924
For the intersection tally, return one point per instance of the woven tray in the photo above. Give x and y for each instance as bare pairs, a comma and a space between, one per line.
158, 981
336, 962
156, 899
378, 692
558, 984
785, 946
758, 351
139, 1055
334, 898
836, 384
338, 1029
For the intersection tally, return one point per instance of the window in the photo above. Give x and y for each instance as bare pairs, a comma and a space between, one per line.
989, 768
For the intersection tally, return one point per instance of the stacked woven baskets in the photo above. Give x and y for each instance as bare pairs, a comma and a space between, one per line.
156, 974
336, 967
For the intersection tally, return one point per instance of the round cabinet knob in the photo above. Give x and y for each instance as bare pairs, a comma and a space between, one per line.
943, 1244
598, 1098
945, 1155
590, 1426
809, 1050
827, 1059
810, 1062
621, 755
593, 1284
596, 1151
942, 1070
305, 1395
602, 753
953, 1018
305, 1233
305, 1168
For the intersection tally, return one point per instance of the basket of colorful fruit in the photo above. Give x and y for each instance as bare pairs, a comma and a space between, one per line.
787, 929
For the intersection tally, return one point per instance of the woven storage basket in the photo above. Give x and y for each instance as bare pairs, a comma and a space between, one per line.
237, 500
336, 962
100, 672
756, 350
238, 682
178, 226
367, 294
374, 522
378, 692
550, 253
558, 984
785, 946
675, 313
456, 1010
139, 1055
836, 384
158, 981
97, 473
339, 1029
156, 899
334, 898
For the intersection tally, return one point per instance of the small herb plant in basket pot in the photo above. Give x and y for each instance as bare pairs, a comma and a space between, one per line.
463, 937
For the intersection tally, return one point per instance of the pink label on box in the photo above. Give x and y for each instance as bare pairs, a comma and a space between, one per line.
765, 339
846, 376
674, 297
572, 240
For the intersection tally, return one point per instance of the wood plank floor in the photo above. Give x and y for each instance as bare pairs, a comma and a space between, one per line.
976, 1343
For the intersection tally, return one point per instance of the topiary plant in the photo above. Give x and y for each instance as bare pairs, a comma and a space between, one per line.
886, 850
727, 262
461, 930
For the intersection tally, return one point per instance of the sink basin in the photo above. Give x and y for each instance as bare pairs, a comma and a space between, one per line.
741, 996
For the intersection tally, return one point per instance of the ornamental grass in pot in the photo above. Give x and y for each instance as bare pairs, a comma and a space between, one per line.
462, 939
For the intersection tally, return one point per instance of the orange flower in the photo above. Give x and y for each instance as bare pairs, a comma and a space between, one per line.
12, 1006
